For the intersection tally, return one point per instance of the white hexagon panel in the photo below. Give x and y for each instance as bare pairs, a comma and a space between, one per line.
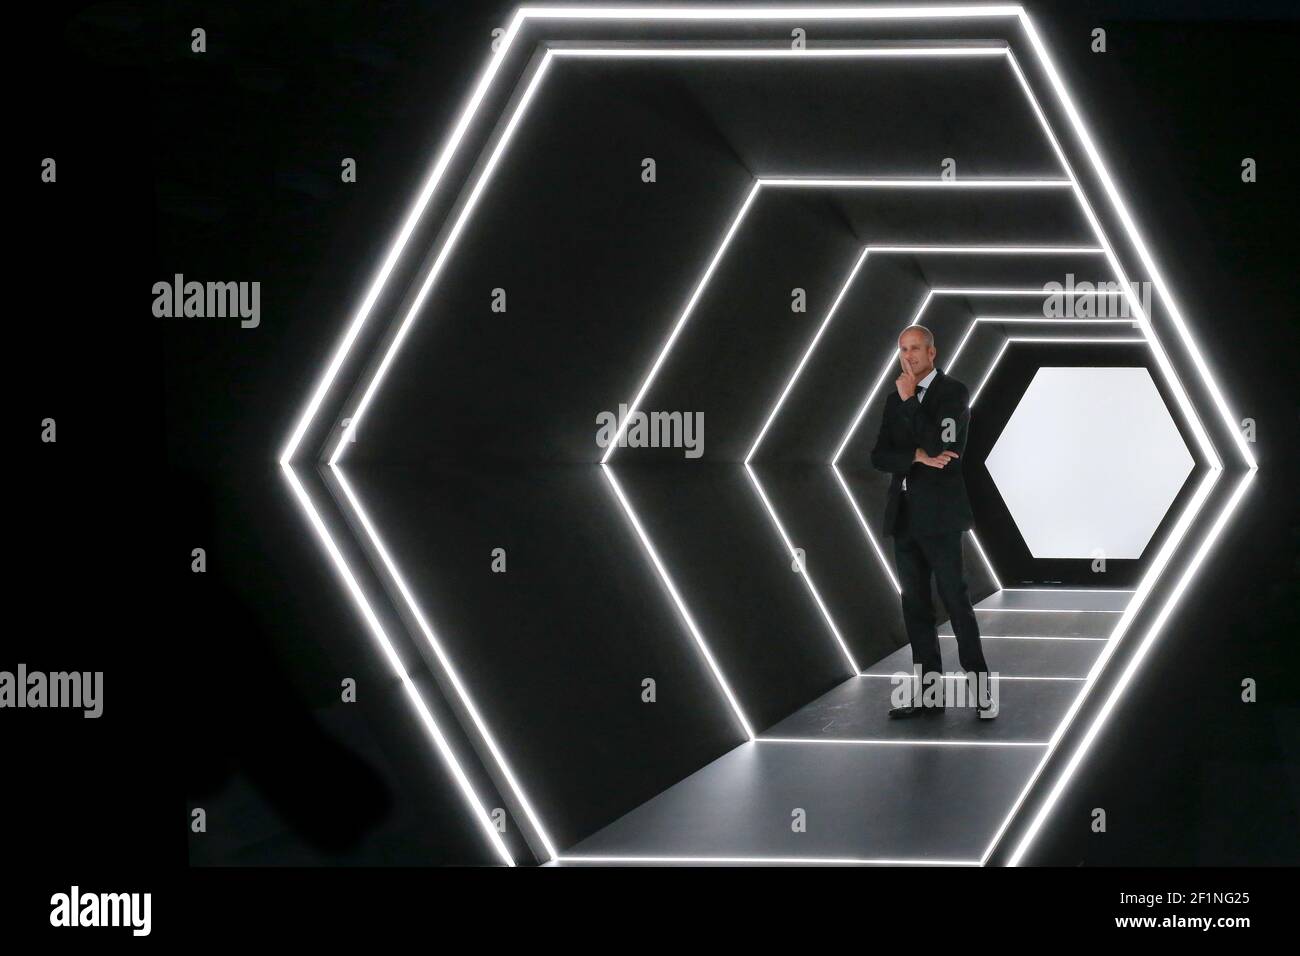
1089, 462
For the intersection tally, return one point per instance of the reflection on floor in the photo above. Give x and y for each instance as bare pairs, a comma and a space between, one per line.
838, 781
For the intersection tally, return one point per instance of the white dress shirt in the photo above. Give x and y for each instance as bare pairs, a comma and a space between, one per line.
920, 397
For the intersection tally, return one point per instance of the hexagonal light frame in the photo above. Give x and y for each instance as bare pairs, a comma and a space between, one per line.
988, 374
789, 13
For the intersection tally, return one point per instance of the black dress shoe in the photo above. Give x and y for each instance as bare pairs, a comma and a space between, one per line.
916, 710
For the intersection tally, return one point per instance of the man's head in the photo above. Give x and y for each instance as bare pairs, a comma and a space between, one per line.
916, 350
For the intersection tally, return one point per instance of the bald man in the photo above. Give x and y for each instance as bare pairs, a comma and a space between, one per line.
921, 441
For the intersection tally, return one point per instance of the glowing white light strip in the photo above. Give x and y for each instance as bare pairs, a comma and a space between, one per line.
984, 557
887, 742
956, 353
812, 346
681, 321
1147, 642
477, 811
804, 573
990, 250
808, 182
677, 599
768, 860
443, 659
1067, 341
758, 53
399, 243
963, 676
1126, 287
862, 520
704, 12
987, 375
1026, 637
987, 290
1073, 590
354, 330
483, 179
1042, 320
1048, 610
1130, 227
1023, 320
1165, 554
1082, 341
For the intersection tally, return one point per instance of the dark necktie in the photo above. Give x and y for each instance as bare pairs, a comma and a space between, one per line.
920, 393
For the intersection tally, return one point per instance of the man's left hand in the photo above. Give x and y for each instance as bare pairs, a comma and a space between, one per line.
934, 461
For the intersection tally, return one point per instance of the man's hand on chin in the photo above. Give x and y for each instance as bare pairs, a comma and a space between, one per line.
937, 461
906, 385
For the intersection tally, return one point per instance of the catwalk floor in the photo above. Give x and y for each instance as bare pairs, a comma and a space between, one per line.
872, 790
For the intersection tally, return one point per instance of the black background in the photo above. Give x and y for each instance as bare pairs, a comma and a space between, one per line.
226, 165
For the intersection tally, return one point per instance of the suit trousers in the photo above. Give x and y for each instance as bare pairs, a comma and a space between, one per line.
917, 558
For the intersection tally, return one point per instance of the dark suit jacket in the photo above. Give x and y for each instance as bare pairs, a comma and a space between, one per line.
936, 496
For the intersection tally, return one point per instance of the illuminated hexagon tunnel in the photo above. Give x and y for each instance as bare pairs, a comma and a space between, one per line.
612, 651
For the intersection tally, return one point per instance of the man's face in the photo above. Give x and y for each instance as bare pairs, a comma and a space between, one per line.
915, 354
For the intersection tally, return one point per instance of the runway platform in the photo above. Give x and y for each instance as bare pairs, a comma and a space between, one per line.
869, 789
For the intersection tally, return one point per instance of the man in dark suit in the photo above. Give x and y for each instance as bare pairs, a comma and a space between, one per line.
921, 441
